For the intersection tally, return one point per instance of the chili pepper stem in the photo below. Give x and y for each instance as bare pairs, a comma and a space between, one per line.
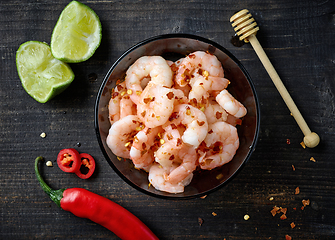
55, 195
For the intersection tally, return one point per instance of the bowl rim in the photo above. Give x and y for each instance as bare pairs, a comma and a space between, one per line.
186, 36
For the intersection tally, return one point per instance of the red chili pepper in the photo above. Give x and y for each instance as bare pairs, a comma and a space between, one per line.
87, 166
101, 210
68, 160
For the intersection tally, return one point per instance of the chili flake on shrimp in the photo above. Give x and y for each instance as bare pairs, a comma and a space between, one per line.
172, 118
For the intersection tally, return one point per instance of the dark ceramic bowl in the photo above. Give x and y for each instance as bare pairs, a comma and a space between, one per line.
172, 47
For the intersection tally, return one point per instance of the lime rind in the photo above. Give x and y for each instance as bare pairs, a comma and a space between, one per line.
42, 76
77, 33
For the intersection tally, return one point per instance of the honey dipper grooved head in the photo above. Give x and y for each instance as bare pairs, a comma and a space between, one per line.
244, 24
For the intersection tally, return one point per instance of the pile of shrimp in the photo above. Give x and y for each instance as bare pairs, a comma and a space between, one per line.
171, 118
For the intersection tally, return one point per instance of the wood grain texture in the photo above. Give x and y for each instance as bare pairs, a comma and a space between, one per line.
298, 37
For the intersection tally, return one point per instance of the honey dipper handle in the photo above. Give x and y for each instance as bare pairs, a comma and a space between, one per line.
311, 139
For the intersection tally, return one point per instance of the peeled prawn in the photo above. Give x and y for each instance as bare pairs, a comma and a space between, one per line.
120, 104
230, 104
214, 112
198, 62
157, 177
114, 102
141, 153
156, 104
121, 135
188, 156
165, 154
195, 122
221, 144
154, 67
202, 86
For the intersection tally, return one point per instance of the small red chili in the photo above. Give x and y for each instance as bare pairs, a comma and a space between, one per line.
87, 166
68, 160
101, 210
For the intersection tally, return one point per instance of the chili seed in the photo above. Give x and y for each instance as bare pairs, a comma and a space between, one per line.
43, 135
48, 163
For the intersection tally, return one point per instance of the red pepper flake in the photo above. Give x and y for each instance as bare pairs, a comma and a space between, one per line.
275, 210
114, 95
169, 136
200, 221
303, 144
293, 167
170, 95
288, 141
238, 121
173, 116
203, 197
292, 225
288, 237
148, 100
179, 142
312, 159
200, 123
297, 190
193, 102
283, 210
305, 203
283, 217
174, 68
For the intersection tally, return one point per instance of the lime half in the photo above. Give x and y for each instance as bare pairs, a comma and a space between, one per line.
77, 33
42, 75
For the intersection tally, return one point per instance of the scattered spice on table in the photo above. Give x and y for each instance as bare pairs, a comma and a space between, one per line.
297, 190
305, 203
214, 214
303, 144
292, 225
48, 163
277, 210
312, 159
288, 237
274, 211
200, 221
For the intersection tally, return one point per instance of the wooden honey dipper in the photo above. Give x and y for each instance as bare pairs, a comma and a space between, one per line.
246, 28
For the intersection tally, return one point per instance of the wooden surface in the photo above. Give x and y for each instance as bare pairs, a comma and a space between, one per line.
298, 37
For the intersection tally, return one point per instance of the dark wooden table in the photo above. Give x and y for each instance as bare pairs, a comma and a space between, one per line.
298, 37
